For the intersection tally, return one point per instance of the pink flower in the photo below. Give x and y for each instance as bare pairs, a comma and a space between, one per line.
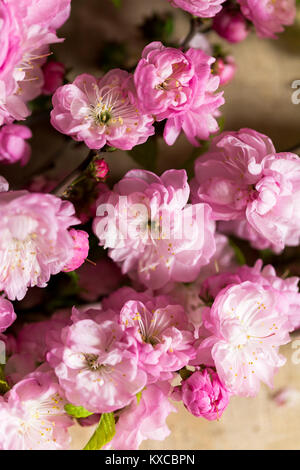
268, 17
7, 314
54, 73
144, 420
287, 288
231, 25
26, 32
52, 13
243, 178
180, 88
96, 363
247, 323
13, 146
202, 8
32, 415
34, 242
171, 80
204, 395
101, 111
225, 68
161, 330
151, 232
80, 249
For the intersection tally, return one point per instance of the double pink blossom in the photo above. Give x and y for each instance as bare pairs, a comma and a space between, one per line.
202, 8
246, 324
25, 34
151, 232
96, 363
32, 415
269, 17
34, 240
160, 328
101, 111
181, 89
243, 179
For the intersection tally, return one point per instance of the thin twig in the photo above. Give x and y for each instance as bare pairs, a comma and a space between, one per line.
61, 189
197, 25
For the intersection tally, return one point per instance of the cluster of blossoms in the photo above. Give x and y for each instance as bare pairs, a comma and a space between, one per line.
231, 19
168, 313
118, 110
26, 31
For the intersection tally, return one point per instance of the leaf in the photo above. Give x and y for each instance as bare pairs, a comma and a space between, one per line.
104, 433
117, 3
146, 154
238, 253
77, 411
4, 387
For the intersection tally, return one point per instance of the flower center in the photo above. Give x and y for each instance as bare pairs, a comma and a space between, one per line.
112, 107
92, 362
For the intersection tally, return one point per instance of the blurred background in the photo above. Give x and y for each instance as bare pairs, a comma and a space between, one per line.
100, 36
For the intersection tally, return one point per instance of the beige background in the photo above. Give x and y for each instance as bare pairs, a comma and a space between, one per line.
259, 97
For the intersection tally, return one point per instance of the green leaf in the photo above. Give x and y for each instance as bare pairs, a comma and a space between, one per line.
77, 411
146, 154
104, 432
238, 253
4, 387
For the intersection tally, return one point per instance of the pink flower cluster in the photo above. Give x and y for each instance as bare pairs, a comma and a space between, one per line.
175, 316
25, 34
268, 17
118, 110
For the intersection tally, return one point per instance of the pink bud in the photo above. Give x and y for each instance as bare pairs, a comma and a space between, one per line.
54, 73
13, 145
231, 25
226, 69
80, 249
204, 395
101, 168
